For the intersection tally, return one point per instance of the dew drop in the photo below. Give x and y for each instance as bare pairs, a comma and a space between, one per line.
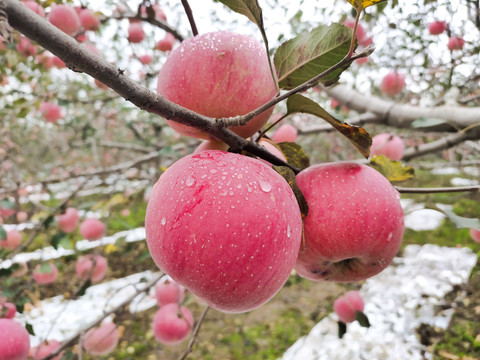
163, 221
289, 231
390, 237
190, 181
265, 186
249, 189
213, 171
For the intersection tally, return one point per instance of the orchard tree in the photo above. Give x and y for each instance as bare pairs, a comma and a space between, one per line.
246, 145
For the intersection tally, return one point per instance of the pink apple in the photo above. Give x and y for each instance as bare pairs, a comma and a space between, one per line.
45, 349
392, 84
89, 20
172, 324
211, 73
22, 216
45, 273
361, 61
58, 62
65, 18
92, 229
7, 310
166, 44
101, 340
145, 59
135, 33
26, 48
68, 221
91, 266
455, 43
354, 225
389, 145
211, 145
346, 306
51, 112
437, 27
285, 132
35, 7
13, 240
271, 148
361, 34
14, 340
168, 292
159, 13
225, 226
475, 234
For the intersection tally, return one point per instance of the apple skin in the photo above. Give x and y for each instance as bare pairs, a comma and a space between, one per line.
354, 225
455, 43
92, 229
101, 340
7, 310
475, 234
437, 27
51, 112
225, 226
89, 20
168, 292
68, 221
135, 33
286, 132
271, 148
392, 84
84, 265
35, 7
13, 240
145, 59
210, 145
15, 341
170, 328
346, 306
166, 44
45, 277
220, 74
45, 349
389, 145
65, 18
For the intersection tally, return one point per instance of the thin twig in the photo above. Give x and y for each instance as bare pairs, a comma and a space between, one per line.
406, 190
188, 350
188, 11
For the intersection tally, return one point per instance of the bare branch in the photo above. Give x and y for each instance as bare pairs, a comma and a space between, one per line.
188, 350
405, 190
188, 11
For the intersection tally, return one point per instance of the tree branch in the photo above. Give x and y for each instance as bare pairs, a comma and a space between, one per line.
188, 350
405, 190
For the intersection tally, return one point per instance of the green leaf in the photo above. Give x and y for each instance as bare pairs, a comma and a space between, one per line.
311, 53
460, 221
48, 221
392, 170
289, 176
294, 154
429, 122
57, 238
4, 272
3, 233
362, 319
362, 4
342, 329
84, 288
357, 135
29, 328
45, 268
7, 204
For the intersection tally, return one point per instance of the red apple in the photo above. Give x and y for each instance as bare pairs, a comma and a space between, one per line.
68, 221
65, 18
346, 306
58, 62
45, 273
26, 48
168, 292
166, 44
219, 75
211, 145
475, 234
14, 340
392, 84
85, 267
22, 216
225, 226
135, 33
271, 148
89, 20
159, 13
437, 27
145, 59
389, 145
51, 112
92, 229
285, 132
35, 7
7, 310
45, 349
172, 324
13, 240
354, 225
101, 340
455, 43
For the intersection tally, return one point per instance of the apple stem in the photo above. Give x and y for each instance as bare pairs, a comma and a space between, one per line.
354, 36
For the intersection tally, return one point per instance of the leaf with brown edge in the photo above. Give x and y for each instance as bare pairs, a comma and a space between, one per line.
362, 4
394, 171
360, 138
295, 155
290, 178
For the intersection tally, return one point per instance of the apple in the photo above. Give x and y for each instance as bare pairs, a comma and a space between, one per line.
45, 59
169, 291
271, 148
89, 20
26, 48
285, 132
68, 221
392, 84
354, 225
361, 34
159, 13
389, 145
225, 226
455, 43
92, 229
7, 310
13, 240
145, 59
58, 62
211, 145
346, 306
35, 7
51, 112
22, 216
166, 44
45, 273
14, 340
475, 234
91, 266
172, 324
437, 27
45, 349
218, 74
101, 340
65, 18
135, 33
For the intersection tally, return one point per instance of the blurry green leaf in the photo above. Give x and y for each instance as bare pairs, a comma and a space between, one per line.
66, 243
362, 4
55, 241
460, 221
421, 123
45, 268
295, 155
362, 319
3, 233
29, 328
342, 329
289, 176
357, 135
48, 221
84, 288
9, 271
7, 204
311, 53
392, 170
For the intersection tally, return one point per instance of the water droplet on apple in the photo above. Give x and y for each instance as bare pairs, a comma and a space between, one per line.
289, 231
163, 221
190, 181
265, 186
